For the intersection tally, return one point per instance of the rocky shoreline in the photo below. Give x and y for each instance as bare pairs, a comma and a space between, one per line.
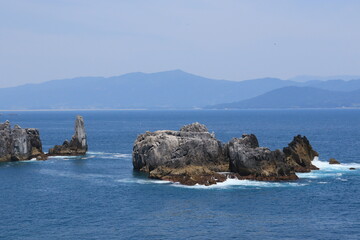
20, 144
193, 155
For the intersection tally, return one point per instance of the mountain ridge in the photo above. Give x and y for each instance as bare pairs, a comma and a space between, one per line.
297, 97
173, 89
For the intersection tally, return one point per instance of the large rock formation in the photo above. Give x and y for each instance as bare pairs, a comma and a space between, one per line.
19, 144
258, 163
176, 155
194, 156
77, 145
299, 154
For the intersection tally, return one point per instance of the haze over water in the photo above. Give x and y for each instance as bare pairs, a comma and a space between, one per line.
99, 196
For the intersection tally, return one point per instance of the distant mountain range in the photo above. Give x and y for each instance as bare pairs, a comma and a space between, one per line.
297, 97
306, 78
178, 90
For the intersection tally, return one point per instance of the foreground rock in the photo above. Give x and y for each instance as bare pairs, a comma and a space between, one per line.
19, 144
299, 154
177, 155
194, 156
257, 163
78, 144
333, 161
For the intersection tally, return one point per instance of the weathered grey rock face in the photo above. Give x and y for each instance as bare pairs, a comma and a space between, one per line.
6, 142
77, 145
194, 127
19, 144
194, 156
300, 153
175, 149
253, 162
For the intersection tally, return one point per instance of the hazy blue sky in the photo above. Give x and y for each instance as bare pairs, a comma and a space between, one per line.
227, 39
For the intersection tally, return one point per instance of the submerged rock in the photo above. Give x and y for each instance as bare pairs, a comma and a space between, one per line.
333, 161
258, 163
77, 145
299, 154
19, 144
194, 156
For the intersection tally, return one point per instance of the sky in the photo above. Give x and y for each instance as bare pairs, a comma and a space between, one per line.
43, 40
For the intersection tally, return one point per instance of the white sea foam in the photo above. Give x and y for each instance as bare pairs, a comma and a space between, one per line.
105, 155
63, 157
334, 167
28, 161
90, 155
142, 181
328, 170
336, 171
342, 179
229, 183
235, 183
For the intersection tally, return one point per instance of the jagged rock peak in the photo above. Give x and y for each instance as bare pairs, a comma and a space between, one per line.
77, 145
257, 163
299, 154
194, 127
80, 133
248, 140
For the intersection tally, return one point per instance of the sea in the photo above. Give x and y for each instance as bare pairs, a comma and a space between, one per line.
100, 196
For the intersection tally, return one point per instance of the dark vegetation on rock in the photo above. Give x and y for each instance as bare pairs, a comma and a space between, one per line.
194, 156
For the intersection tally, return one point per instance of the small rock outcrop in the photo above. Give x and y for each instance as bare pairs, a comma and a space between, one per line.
19, 144
192, 156
299, 154
257, 163
333, 161
78, 144
194, 127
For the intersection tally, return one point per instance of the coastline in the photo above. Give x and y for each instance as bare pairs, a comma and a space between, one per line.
170, 109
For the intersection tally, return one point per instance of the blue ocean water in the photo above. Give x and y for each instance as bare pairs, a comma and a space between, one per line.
99, 196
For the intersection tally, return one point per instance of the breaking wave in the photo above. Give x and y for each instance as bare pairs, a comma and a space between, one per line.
244, 184
90, 155
105, 155
329, 170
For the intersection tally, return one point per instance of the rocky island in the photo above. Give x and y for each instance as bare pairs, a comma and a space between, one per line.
19, 144
77, 145
193, 155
